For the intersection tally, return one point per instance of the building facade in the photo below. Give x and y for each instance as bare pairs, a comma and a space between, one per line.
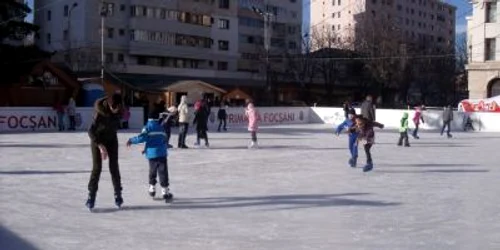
212, 39
483, 31
422, 23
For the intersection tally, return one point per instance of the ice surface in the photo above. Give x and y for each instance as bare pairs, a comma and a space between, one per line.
295, 192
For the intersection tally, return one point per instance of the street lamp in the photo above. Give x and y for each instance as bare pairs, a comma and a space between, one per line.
104, 14
267, 42
69, 34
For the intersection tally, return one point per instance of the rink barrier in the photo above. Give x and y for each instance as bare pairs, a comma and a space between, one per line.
39, 119
18, 119
481, 121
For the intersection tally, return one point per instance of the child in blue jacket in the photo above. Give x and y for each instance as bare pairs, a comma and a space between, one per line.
348, 124
153, 134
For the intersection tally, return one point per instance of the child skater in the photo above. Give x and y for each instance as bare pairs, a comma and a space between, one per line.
353, 136
417, 118
153, 134
253, 120
403, 130
367, 135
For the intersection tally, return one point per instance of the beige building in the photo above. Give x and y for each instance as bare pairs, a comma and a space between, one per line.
483, 31
216, 41
427, 24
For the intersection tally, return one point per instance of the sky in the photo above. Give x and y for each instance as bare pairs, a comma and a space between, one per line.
463, 10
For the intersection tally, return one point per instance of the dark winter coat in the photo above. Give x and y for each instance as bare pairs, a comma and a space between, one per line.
447, 114
368, 110
222, 114
367, 133
167, 120
105, 123
201, 119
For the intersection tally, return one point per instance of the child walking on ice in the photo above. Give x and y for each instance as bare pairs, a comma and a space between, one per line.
253, 119
367, 135
353, 136
403, 131
153, 134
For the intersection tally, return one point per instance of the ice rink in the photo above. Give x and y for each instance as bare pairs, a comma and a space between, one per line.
295, 192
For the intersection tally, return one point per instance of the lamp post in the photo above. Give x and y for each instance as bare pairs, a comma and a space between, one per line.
267, 44
68, 51
104, 13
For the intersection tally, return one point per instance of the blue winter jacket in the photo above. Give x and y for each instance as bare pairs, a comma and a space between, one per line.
347, 124
153, 134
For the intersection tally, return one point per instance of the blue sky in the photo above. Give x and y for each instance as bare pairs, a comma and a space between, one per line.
463, 10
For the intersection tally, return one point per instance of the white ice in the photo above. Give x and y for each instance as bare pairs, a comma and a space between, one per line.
295, 192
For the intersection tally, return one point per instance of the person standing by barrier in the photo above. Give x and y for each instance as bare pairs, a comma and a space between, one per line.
183, 112
104, 145
368, 109
59, 108
201, 123
447, 119
71, 113
222, 117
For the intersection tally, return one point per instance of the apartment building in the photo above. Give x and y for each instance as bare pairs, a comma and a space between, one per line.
483, 31
215, 40
424, 24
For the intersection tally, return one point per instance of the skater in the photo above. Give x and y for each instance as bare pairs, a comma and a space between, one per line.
348, 124
368, 109
155, 150
403, 130
253, 124
347, 109
104, 145
125, 117
416, 120
447, 119
183, 113
59, 108
366, 133
200, 121
222, 116
167, 120
71, 109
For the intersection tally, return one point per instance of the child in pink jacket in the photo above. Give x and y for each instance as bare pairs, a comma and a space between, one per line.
253, 120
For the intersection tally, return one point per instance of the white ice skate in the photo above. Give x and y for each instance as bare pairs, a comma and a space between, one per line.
152, 191
253, 145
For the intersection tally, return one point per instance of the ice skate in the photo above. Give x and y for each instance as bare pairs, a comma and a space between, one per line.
352, 162
368, 167
253, 145
167, 196
152, 191
90, 202
118, 200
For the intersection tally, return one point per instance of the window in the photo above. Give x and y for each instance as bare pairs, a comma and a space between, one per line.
121, 32
223, 45
374, 1
491, 12
333, 15
66, 10
338, 14
110, 32
122, 8
490, 49
65, 35
49, 38
49, 15
108, 8
108, 58
294, 14
293, 1
121, 58
223, 24
292, 45
339, 2
222, 65
400, 7
224, 4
